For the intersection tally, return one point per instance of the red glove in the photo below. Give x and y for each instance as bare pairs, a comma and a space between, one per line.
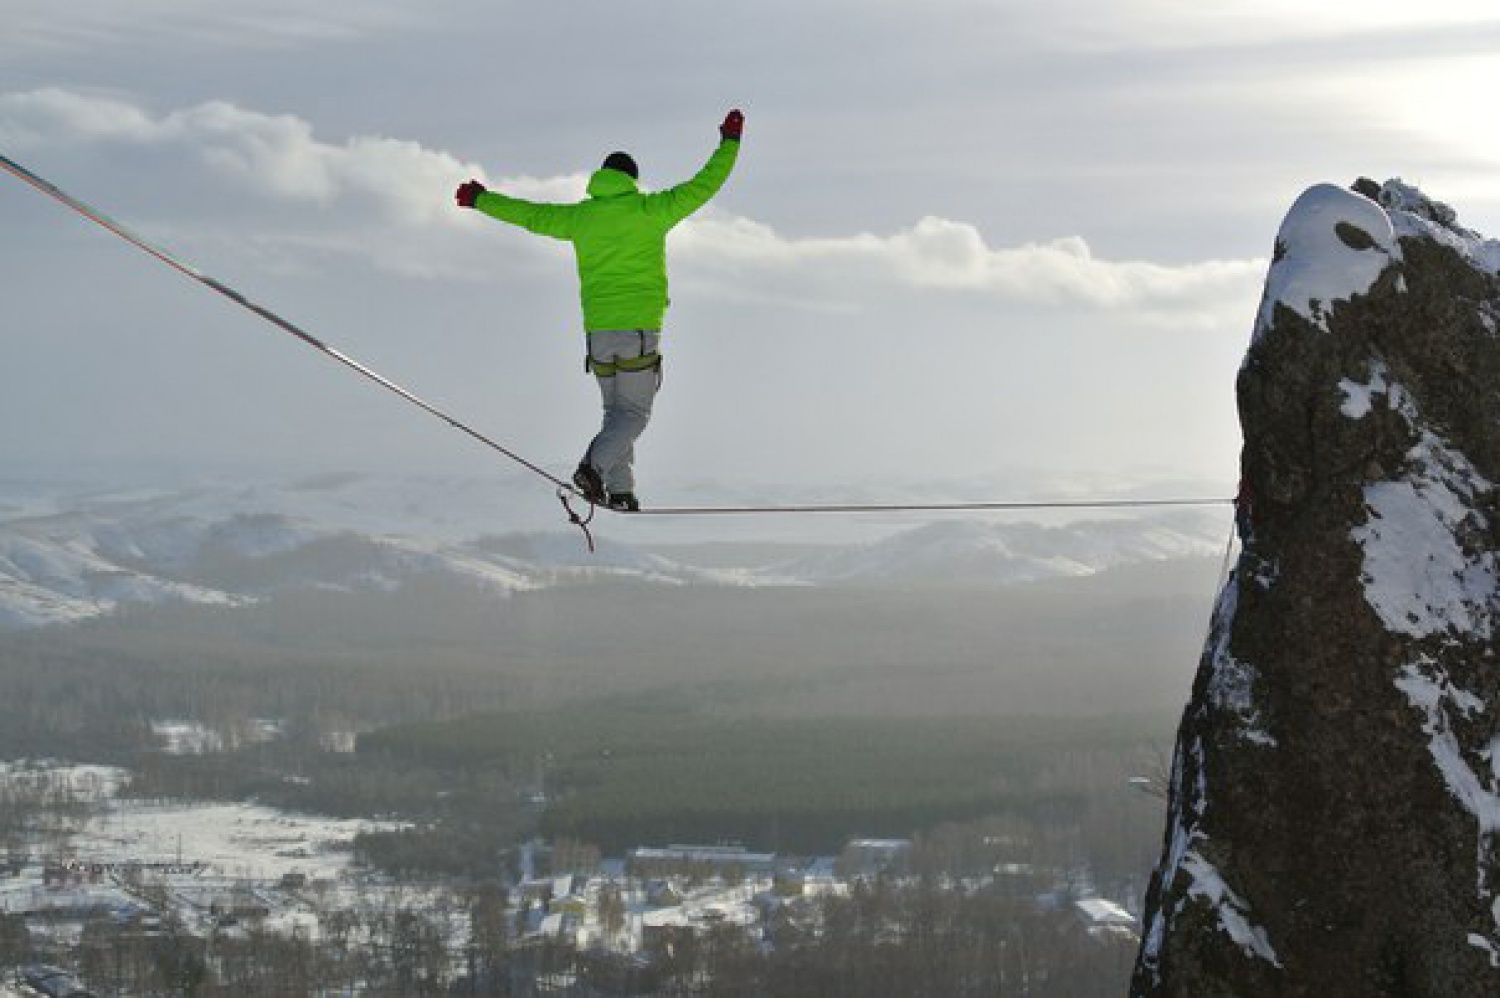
467, 193
734, 125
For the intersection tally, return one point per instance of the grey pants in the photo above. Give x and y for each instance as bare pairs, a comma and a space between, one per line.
627, 397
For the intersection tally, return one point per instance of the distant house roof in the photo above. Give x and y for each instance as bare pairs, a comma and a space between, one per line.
729, 913
36, 901
1099, 911
880, 845
54, 982
715, 855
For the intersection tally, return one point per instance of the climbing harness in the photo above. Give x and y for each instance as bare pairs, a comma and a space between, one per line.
644, 360
566, 491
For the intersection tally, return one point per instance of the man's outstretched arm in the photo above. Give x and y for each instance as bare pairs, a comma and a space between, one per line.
687, 197
555, 220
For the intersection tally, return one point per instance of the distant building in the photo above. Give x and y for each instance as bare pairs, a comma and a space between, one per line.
817, 877
54, 982
665, 929
866, 857
1102, 917
683, 858
63, 903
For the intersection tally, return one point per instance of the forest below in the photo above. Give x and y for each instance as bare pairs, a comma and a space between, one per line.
618, 775
1125, 641
620, 715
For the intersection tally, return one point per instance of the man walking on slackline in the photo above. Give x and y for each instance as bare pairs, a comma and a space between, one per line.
619, 237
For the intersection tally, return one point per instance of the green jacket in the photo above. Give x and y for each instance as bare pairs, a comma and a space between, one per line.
619, 236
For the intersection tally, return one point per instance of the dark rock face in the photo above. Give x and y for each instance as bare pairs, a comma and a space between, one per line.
1334, 819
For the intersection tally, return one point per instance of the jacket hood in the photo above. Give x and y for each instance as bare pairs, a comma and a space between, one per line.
608, 183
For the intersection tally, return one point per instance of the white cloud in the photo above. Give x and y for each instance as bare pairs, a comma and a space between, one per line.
49, 116
276, 156
942, 254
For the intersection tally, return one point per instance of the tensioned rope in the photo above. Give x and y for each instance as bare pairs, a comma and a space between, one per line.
565, 490
925, 507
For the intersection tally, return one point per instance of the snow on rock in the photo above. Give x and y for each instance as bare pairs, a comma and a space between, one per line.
1185, 873
1234, 913
1332, 245
1430, 690
1359, 396
1472, 776
1231, 685
1415, 215
1419, 575
1194, 880
1425, 570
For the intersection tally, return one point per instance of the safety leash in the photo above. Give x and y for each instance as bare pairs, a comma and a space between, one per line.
581, 522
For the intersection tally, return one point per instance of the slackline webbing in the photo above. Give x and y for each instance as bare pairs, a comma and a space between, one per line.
932, 507
565, 490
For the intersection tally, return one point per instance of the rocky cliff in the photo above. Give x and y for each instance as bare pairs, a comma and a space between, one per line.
1335, 793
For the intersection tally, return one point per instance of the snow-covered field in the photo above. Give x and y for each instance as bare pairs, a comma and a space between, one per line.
178, 842
211, 860
230, 840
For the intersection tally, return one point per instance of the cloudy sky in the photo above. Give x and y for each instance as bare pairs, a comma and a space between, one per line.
979, 245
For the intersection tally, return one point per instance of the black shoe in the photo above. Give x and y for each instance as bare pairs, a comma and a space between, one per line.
590, 484
625, 502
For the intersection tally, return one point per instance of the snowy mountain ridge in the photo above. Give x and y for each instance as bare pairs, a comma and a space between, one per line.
989, 553
68, 557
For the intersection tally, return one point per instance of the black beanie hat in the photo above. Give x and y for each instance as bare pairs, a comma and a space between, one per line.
621, 161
